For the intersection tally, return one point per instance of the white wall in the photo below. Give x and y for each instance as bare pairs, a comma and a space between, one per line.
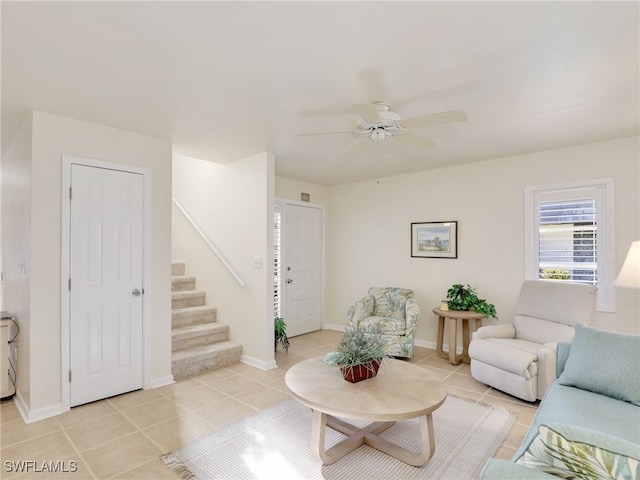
368, 229
233, 205
290, 189
53, 136
16, 242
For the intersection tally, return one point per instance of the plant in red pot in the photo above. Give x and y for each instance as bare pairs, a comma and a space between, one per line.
358, 355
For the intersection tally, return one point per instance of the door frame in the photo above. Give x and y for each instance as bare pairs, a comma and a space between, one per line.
65, 257
283, 249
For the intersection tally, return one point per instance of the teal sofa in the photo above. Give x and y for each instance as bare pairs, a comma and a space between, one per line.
588, 423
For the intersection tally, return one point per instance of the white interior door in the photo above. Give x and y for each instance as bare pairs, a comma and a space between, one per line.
105, 297
302, 270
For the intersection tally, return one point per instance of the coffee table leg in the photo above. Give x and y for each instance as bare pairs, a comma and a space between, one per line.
339, 450
356, 436
412, 458
368, 435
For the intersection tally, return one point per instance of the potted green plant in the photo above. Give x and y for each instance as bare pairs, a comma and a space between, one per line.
280, 334
358, 355
464, 297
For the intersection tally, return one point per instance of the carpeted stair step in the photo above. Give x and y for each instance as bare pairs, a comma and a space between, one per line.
208, 357
178, 268
184, 317
184, 338
198, 342
192, 298
182, 283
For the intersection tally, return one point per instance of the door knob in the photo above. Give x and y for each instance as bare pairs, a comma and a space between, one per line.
289, 280
136, 292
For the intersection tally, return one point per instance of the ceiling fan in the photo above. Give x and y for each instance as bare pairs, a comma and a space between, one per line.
378, 122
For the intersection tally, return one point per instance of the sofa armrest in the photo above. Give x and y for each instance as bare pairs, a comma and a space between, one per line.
496, 469
495, 331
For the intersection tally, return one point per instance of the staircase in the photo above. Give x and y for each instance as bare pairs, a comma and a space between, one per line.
198, 341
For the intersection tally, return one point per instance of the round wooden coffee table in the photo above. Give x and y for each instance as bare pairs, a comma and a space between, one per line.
400, 391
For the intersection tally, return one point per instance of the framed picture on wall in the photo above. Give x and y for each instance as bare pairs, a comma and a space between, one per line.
434, 239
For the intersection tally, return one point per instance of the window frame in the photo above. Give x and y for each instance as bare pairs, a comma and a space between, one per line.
604, 188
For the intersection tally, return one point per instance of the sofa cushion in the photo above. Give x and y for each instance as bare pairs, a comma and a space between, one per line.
496, 469
574, 452
604, 362
582, 408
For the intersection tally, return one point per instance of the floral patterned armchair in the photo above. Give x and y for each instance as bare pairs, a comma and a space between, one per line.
391, 313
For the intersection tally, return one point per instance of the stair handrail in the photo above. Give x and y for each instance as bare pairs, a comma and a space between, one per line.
208, 242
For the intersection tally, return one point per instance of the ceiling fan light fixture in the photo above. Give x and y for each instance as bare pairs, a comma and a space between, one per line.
378, 134
378, 122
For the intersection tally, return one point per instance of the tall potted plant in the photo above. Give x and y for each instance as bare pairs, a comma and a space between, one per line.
280, 334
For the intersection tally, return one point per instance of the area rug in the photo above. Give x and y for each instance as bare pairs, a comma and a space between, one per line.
276, 444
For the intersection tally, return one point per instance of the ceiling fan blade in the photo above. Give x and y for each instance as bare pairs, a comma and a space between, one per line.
355, 149
413, 141
439, 93
368, 112
441, 118
325, 133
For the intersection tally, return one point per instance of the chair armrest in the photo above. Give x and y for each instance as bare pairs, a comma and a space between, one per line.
495, 331
412, 315
359, 311
502, 356
548, 349
561, 356
546, 367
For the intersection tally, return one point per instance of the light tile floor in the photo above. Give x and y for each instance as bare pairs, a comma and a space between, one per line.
122, 437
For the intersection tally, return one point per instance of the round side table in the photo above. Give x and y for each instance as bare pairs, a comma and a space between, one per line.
453, 316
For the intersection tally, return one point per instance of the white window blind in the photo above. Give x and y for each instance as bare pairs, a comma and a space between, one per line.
569, 235
277, 256
568, 232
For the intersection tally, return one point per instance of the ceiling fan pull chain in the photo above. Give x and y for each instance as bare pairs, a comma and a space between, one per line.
378, 158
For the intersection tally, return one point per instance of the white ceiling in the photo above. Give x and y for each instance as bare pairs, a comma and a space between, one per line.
227, 80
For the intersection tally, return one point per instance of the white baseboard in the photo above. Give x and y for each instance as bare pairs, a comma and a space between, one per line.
261, 364
332, 326
418, 342
433, 346
30, 416
161, 381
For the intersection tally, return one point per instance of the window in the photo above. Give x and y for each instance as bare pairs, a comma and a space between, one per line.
277, 256
569, 232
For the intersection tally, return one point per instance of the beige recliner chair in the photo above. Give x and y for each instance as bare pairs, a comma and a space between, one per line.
520, 359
